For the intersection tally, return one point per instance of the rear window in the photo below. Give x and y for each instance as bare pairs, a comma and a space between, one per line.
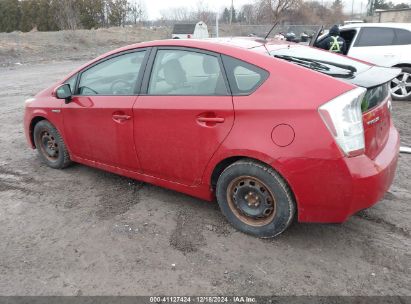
304, 52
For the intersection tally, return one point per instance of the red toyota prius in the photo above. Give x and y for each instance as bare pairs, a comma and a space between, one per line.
274, 131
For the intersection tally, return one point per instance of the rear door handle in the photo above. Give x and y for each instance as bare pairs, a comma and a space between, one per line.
211, 119
121, 117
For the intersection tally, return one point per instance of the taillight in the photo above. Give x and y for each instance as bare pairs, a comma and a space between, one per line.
343, 117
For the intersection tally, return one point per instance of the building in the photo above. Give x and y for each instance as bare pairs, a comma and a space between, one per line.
402, 15
197, 30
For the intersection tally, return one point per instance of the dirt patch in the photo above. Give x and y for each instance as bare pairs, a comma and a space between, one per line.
369, 217
84, 231
119, 196
12, 180
21, 48
188, 235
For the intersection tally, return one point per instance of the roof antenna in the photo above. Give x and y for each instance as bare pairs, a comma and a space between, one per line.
272, 28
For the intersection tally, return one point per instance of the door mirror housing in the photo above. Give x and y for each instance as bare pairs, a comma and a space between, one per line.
64, 92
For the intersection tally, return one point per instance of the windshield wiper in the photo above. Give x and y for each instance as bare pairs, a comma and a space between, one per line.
320, 65
309, 63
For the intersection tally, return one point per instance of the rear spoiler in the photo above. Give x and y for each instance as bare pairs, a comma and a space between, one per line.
374, 76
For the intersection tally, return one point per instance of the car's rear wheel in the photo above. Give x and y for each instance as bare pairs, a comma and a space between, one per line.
50, 145
401, 85
255, 199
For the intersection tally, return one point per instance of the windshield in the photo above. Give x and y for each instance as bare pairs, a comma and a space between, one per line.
324, 62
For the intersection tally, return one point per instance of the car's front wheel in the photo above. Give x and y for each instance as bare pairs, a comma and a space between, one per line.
401, 85
50, 145
255, 199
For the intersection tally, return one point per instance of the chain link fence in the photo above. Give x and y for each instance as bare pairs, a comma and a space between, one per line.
226, 30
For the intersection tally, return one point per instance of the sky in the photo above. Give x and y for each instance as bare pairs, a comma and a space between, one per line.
154, 7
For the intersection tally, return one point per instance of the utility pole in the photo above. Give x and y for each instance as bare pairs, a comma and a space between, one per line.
216, 24
231, 11
352, 9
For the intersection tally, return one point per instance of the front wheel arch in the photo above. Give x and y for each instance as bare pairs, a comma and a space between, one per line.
402, 65
33, 123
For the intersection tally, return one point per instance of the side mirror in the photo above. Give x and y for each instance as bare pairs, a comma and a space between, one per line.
64, 92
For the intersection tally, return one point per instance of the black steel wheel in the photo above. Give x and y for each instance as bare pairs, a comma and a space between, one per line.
255, 198
50, 145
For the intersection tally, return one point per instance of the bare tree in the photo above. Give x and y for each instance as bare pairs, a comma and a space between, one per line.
275, 11
117, 12
203, 13
67, 15
176, 14
137, 11
249, 13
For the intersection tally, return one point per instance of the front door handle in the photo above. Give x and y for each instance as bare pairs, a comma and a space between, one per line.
211, 119
121, 117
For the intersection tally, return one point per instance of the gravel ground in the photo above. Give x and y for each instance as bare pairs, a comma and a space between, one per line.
82, 231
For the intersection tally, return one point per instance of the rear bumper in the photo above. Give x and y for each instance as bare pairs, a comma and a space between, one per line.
329, 191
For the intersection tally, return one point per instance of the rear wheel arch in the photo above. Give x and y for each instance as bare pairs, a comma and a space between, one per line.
220, 167
266, 191
226, 162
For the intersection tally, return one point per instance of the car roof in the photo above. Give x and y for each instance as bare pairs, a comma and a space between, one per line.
210, 43
388, 24
236, 47
219, 45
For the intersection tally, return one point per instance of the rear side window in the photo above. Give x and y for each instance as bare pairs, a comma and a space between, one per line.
190, 73
375, 36
403, 37
244, 78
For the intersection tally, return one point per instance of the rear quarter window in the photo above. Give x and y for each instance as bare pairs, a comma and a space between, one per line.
403, 37
244, 78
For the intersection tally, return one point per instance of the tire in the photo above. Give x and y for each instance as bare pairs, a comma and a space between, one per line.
255, 199
401, 85
50, 145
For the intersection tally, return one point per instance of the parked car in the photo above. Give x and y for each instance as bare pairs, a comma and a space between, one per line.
272, 136
197, 30
383, 44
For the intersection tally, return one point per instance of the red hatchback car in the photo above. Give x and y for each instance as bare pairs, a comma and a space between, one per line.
271, 129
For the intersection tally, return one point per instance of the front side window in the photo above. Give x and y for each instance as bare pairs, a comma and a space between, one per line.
376, 36
114, 76
180, 72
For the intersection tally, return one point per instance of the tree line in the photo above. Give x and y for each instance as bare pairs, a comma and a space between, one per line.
52, 15
384, 5
263, 12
